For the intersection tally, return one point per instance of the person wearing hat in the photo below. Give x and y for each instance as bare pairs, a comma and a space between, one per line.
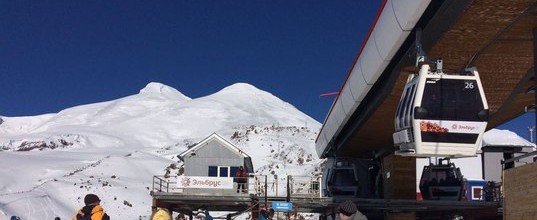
348, 211
92, 210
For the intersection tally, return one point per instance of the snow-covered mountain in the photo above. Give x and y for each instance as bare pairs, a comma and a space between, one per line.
113, 149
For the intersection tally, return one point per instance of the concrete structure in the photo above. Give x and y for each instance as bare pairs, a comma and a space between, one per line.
215, 156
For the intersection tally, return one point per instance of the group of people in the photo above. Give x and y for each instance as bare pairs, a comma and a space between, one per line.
92, 210
346, 210
164, 214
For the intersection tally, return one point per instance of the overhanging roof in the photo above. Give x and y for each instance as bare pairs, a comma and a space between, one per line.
495, 36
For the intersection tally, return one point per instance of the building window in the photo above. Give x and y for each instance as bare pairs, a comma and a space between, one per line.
477, 193
213, 171
234, 171
223, 171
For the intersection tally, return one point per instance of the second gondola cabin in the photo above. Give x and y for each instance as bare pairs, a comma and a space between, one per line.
441, 115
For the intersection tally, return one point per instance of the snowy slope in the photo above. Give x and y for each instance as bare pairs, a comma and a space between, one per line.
114, 148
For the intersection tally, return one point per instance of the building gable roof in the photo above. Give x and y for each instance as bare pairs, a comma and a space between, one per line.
210, 138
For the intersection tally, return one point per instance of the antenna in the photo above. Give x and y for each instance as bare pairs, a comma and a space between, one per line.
329, 94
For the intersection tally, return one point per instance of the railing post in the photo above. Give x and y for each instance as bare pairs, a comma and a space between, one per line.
288, 188
276, 182
320, 179
266, 188
167, 186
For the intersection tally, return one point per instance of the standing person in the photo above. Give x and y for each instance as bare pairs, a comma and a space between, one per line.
242, 178
92, 210
207, 215
271, 214
348, 211
263, 214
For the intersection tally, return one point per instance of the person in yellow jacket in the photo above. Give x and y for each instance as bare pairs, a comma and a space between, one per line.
161, 214
92, 210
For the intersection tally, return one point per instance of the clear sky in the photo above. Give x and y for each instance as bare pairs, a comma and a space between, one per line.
59, 54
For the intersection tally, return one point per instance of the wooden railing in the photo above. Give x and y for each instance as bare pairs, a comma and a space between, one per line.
162, 184
304, 186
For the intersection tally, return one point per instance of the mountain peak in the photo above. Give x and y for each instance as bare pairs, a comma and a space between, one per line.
161, 89
242, 88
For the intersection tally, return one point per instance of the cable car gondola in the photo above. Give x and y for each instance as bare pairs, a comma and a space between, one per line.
442, 182
350, 177
441, 115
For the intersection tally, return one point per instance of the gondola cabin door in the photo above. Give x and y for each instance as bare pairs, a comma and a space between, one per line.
441, 115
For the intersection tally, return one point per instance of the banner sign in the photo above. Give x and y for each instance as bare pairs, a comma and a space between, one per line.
282, 206
204, 182
466, 127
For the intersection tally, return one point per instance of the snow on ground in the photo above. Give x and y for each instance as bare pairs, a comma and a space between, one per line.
114, 148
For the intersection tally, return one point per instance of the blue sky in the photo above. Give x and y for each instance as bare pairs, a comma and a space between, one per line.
59, 54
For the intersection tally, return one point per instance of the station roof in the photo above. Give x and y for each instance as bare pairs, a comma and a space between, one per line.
495, 36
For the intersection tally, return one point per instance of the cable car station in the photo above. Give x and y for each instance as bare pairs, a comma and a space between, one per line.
430, 78
304, 198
